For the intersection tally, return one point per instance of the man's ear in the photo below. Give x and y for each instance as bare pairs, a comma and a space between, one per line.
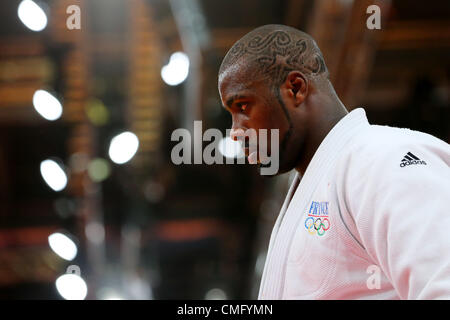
297, 86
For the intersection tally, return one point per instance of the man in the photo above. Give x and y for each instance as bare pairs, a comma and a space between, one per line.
367, 216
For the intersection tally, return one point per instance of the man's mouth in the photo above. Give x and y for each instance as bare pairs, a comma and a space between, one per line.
252, 156
250, 151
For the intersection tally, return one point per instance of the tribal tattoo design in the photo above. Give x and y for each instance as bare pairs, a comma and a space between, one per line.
277, 54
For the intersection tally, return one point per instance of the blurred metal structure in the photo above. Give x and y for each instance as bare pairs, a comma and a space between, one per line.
194, 36
349, 47
145, 111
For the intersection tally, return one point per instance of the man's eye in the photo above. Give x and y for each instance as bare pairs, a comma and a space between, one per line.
242, 106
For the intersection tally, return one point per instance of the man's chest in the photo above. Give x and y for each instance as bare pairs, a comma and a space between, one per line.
323, 260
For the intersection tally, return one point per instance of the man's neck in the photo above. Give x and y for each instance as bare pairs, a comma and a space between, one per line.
320, 126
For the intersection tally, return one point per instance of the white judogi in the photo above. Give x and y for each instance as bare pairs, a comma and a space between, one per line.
370, 219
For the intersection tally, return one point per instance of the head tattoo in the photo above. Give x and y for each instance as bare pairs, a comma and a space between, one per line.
271, 52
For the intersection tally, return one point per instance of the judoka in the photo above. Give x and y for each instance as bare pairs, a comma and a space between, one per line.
365, 198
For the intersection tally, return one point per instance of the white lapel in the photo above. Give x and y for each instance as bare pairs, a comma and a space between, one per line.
288, 199
286, 202
272, 283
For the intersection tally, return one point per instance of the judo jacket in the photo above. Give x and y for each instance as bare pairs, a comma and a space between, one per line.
370, 219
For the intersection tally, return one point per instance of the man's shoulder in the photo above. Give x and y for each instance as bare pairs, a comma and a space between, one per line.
393, 147
392, 137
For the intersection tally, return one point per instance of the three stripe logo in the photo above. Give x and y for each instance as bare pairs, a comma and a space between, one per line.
410, 159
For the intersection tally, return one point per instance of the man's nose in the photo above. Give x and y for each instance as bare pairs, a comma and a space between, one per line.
235, 134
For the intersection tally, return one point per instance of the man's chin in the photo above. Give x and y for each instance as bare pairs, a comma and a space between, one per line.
279, 172
281, 169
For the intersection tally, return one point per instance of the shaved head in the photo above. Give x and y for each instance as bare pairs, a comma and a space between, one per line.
272, 51
275, 78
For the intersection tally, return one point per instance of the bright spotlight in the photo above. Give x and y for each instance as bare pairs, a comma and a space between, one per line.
53, 175
63, 246
71, 287
230, 148
123, 147
177, 70
32, 16
47, 105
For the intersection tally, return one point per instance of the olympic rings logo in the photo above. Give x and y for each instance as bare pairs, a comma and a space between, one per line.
317, 225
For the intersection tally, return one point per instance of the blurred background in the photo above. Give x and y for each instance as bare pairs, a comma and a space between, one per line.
91, 205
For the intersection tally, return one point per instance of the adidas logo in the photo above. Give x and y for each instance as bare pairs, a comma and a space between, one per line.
410, 159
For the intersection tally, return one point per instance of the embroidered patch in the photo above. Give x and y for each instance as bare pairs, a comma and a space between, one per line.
317, 221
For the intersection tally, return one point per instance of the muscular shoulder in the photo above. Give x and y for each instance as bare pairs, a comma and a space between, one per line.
390, 147
384, 164
382, 157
